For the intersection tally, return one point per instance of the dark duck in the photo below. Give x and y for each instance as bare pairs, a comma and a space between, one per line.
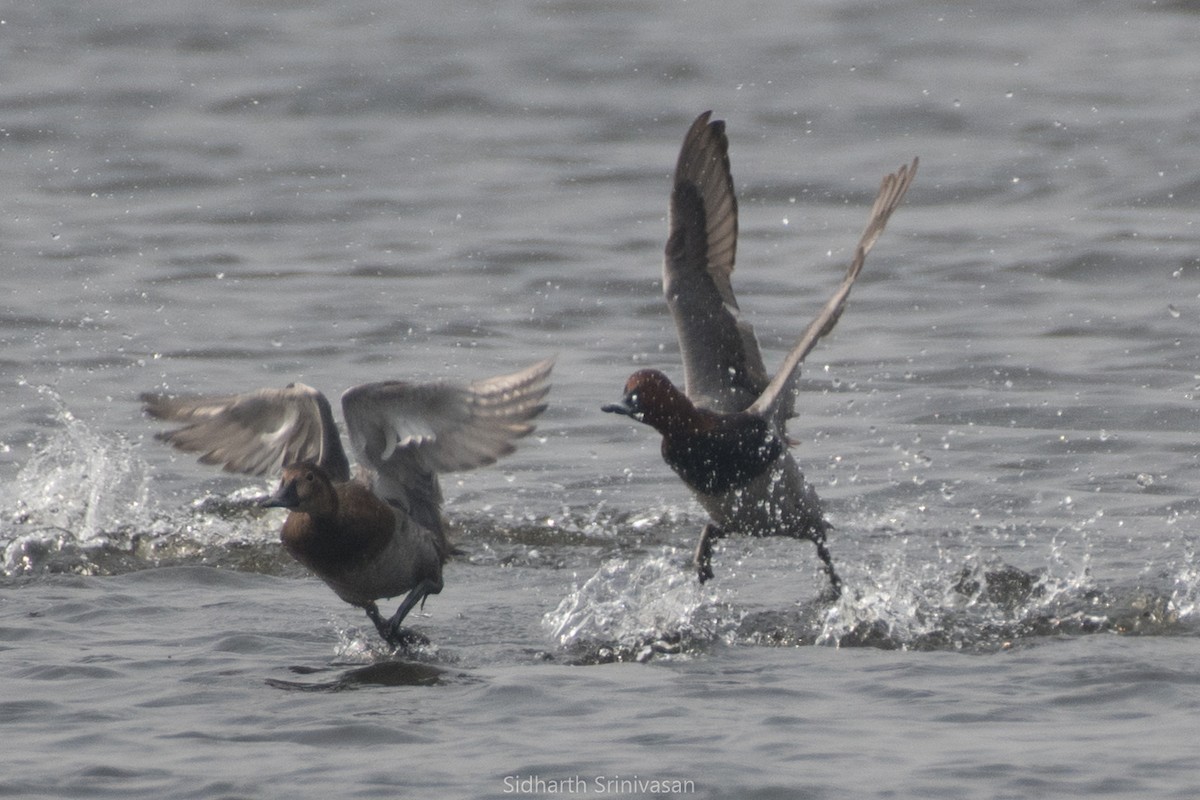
725, 433
377, 531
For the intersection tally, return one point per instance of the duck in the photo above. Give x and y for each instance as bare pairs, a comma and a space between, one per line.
724, 434
378, 530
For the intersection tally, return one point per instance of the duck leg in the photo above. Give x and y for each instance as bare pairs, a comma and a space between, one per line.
390, 629
397, 635
835, 583
380, 623
703, 558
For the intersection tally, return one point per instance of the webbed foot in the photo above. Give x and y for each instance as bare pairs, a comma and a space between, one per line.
390, 629
407, 637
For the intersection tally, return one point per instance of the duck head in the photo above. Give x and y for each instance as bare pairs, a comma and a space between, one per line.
304, 487
650, 397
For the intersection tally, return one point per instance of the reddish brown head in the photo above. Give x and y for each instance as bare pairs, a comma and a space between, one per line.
306, 488
650, 397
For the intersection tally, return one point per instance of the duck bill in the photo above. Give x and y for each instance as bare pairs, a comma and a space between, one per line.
625, 410
618, 408
285, 497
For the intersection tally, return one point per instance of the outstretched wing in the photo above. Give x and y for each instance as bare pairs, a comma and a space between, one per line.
255, 433
723, 368
776, 401
399, 430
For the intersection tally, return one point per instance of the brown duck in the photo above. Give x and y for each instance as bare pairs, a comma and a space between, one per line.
725, 435
377, 532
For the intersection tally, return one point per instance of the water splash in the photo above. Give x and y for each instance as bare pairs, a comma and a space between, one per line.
82, 504
79, 480
962, 596
78, 493
1185, 595
358, 645
980, 607
635, 608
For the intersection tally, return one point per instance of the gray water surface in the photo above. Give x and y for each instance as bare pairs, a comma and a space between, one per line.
221, 196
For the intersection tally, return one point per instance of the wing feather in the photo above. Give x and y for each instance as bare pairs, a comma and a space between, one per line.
776, 401
723, 367
255, 433
446, 427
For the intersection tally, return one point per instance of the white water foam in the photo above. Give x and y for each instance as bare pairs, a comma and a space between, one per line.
644, 605
83, 503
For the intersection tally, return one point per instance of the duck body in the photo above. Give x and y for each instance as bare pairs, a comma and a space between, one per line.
379, 531
725, 433
714, 453
737, 465
358, 544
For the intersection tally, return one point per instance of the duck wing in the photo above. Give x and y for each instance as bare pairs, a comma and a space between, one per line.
255, 433
723, 368
400, 429
776, 401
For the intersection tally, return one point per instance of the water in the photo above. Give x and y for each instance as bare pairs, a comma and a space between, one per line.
231, 195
